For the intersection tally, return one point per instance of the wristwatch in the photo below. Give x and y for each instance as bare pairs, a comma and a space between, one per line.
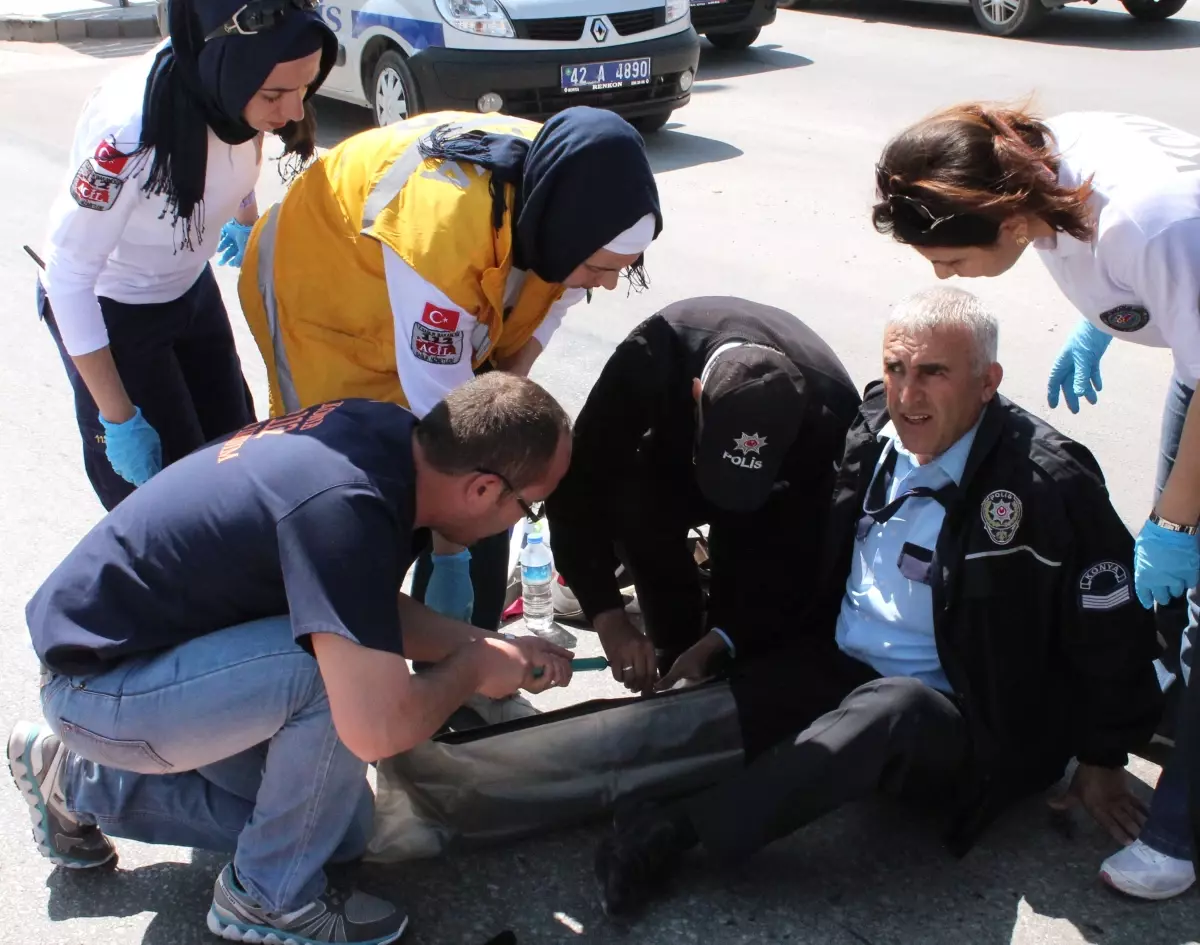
1161, 522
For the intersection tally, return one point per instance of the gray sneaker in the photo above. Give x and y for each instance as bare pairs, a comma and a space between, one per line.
35, 760
351, 917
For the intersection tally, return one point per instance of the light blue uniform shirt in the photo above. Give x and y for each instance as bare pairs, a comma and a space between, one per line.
886, 620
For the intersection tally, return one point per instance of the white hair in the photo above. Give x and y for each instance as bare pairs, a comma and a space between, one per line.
945, 306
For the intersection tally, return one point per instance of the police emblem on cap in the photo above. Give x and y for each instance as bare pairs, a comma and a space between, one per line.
1001, 513
1126, 318
749, 443
1104, 586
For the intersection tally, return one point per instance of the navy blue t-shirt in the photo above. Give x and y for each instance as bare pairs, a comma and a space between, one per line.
309, 515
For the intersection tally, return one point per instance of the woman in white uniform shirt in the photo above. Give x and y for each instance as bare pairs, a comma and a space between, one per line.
1111, 203
163, 151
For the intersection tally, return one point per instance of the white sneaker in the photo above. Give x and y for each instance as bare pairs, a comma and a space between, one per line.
1140, 870
566, 604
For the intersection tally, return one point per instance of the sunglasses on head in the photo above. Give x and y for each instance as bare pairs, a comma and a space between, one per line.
924, 219
257, 16
533, 511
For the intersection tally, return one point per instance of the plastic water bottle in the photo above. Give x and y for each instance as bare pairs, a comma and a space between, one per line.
537, 573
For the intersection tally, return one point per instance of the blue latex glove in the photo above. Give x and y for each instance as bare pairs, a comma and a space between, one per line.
1165, 564
133, 448
1077, 371
449, 591
232, 246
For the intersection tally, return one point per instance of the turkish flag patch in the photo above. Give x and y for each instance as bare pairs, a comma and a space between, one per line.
109, 160
443, 319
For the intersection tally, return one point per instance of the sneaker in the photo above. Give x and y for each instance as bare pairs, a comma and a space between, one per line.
35, 760
1140, 870
566, 604
636, 863
334, 916
479, 711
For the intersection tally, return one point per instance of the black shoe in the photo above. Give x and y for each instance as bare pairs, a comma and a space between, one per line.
636, 863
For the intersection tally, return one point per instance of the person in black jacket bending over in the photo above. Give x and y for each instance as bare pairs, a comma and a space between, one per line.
979, 634
715, 411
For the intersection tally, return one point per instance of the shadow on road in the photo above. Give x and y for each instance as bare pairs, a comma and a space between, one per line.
766, 57
112, 49
178, 894
1073, 26
672, 150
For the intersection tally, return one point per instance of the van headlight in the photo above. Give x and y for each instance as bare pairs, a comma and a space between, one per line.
676, 9
482, 17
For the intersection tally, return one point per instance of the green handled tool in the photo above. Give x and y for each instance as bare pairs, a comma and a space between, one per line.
581, 664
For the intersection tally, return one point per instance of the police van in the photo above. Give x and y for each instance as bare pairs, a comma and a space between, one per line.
529, 58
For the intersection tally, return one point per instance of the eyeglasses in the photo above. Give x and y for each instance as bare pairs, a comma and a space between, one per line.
533, 512
256, 16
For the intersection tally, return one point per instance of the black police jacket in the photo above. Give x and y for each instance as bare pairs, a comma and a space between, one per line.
1036, 622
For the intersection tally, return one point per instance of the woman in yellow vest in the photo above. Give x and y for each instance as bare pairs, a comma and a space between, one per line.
412, 256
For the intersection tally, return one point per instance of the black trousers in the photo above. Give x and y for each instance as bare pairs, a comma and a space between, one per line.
489, 578
178, 363
857, 733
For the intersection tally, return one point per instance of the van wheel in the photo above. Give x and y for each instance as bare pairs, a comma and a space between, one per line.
741, 39
393, 90
1009, 17
1153, 9
648, 124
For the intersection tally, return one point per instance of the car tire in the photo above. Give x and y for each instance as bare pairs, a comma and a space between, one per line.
1009, 17
648, 124
732, 42
1153, 10
393, 92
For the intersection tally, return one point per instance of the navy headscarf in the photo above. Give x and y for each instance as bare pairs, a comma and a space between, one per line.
582, 182
194, 86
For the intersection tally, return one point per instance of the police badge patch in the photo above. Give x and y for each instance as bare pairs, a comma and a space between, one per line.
1104, 586
1001, 513
1126, 318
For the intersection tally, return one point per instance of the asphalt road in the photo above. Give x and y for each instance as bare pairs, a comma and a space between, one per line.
766, 181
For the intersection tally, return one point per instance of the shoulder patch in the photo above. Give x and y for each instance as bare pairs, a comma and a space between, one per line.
94, 190
110, 160
1126, 318
435, 346
1001, 514
1104, 586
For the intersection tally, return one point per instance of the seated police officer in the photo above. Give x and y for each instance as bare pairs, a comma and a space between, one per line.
225, 652
715, 411
979, 629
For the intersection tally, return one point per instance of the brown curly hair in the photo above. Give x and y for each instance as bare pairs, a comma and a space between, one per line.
953, 178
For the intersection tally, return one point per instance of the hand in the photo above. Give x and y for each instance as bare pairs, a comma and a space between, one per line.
1104, 793
630, 653
693, 662
510, 665
1165, 564
1076, 372
449, 591
232, 246
133, 448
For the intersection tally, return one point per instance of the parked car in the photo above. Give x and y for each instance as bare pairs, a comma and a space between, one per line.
1021, 17
732, 24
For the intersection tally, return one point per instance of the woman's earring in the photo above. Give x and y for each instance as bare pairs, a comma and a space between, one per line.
1022, 240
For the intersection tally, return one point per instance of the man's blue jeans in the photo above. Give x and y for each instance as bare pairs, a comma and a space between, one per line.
224, 743
1168, 829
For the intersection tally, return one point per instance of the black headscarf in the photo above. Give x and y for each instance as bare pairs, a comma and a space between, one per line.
582, 182
194, 86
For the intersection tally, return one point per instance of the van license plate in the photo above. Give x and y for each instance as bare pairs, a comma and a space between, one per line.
597, 76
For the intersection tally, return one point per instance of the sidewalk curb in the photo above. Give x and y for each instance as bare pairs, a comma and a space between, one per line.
120, 23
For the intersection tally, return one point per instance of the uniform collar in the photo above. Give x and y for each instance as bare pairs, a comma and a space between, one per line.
952, 462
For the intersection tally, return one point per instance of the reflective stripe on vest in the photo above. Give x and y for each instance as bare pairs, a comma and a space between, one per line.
388, 187
266, 289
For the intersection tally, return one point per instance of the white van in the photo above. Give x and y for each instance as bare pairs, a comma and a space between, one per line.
529, 58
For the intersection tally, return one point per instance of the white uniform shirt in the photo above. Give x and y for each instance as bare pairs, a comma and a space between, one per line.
1140, 279
436, 341
107, 237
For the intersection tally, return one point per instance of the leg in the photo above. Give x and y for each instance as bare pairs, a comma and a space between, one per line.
202, 703
110, 488
209, 362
